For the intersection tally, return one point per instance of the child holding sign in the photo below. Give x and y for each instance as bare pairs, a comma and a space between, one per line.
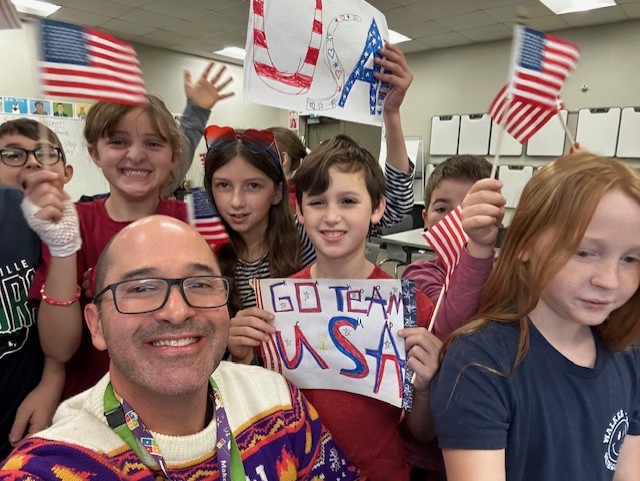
545, 382
339, 190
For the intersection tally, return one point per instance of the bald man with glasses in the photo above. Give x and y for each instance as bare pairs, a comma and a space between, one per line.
170, 407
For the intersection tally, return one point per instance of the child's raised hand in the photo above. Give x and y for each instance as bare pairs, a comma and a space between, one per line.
207, 92
249, 328
482, 213
423, 351
51, 214
395, 71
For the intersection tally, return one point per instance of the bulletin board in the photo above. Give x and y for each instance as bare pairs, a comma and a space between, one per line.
87, 177
514, 178
549, 140
509, 147
445, 130
475, 130
629, 136
598, 130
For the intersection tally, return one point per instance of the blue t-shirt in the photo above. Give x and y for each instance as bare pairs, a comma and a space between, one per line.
556, 420
21, 358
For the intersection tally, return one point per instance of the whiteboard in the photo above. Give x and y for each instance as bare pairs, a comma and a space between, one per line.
509, 147
549, 140
414, 147
514, 178
444, 135
87, 177
598, 130
474, 134
629, 136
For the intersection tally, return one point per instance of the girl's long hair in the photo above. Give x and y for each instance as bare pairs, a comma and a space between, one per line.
553, 214
282, 241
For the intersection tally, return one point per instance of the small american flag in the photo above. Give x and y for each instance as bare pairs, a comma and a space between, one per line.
80, 62
523, 119
8, 16
542, 63
447, 238
205, 219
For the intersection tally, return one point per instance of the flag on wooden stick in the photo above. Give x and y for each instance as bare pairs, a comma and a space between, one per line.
79, 62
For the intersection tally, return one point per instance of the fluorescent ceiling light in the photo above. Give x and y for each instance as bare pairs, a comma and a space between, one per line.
35, 7
395, 37
570, 6
232, 52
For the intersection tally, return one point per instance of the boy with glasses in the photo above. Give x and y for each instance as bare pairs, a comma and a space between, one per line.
30, 388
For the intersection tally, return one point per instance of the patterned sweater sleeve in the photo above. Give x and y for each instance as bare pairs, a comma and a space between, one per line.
325, 460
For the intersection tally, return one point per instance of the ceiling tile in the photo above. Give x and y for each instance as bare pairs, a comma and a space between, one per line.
451, 39
595, 17
632, 10
437, 9
79, 17
177, 10
467, 20
484, 4
422, 29
384, 5
133, 3
486, 34
217, 20
403, 16
191, 29
129, 28
548, 23
145, 17
508, 13
165, 36
101, 7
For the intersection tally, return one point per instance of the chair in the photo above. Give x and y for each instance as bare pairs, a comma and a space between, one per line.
371, 251
395, 252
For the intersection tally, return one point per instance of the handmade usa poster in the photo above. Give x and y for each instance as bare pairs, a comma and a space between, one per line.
316, 57
341, 334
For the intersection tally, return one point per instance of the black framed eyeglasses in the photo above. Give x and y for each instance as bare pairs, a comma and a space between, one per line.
17, 156
139, 296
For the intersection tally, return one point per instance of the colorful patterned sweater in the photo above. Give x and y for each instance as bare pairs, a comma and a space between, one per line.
278, 433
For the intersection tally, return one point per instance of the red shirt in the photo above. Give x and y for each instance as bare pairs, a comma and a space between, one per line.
88, 364
367, 430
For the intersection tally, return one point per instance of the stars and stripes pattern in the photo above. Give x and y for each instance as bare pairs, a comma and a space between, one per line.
205, 219
447, 238
521, 119
532, 96
543, 63
79, 62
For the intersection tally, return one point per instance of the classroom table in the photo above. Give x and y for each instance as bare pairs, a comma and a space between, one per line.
411, 241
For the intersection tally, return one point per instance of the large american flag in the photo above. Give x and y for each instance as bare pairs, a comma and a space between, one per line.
447, 238
79, 62
206, 220
531, 97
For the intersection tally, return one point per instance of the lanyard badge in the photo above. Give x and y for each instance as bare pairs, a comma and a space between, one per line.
126, 423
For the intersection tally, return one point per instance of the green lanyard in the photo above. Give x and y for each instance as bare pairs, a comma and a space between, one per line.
227, 451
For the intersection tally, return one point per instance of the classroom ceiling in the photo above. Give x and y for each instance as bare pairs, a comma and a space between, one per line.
200, 27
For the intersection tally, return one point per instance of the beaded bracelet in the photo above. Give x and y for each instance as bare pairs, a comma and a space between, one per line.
53, 302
